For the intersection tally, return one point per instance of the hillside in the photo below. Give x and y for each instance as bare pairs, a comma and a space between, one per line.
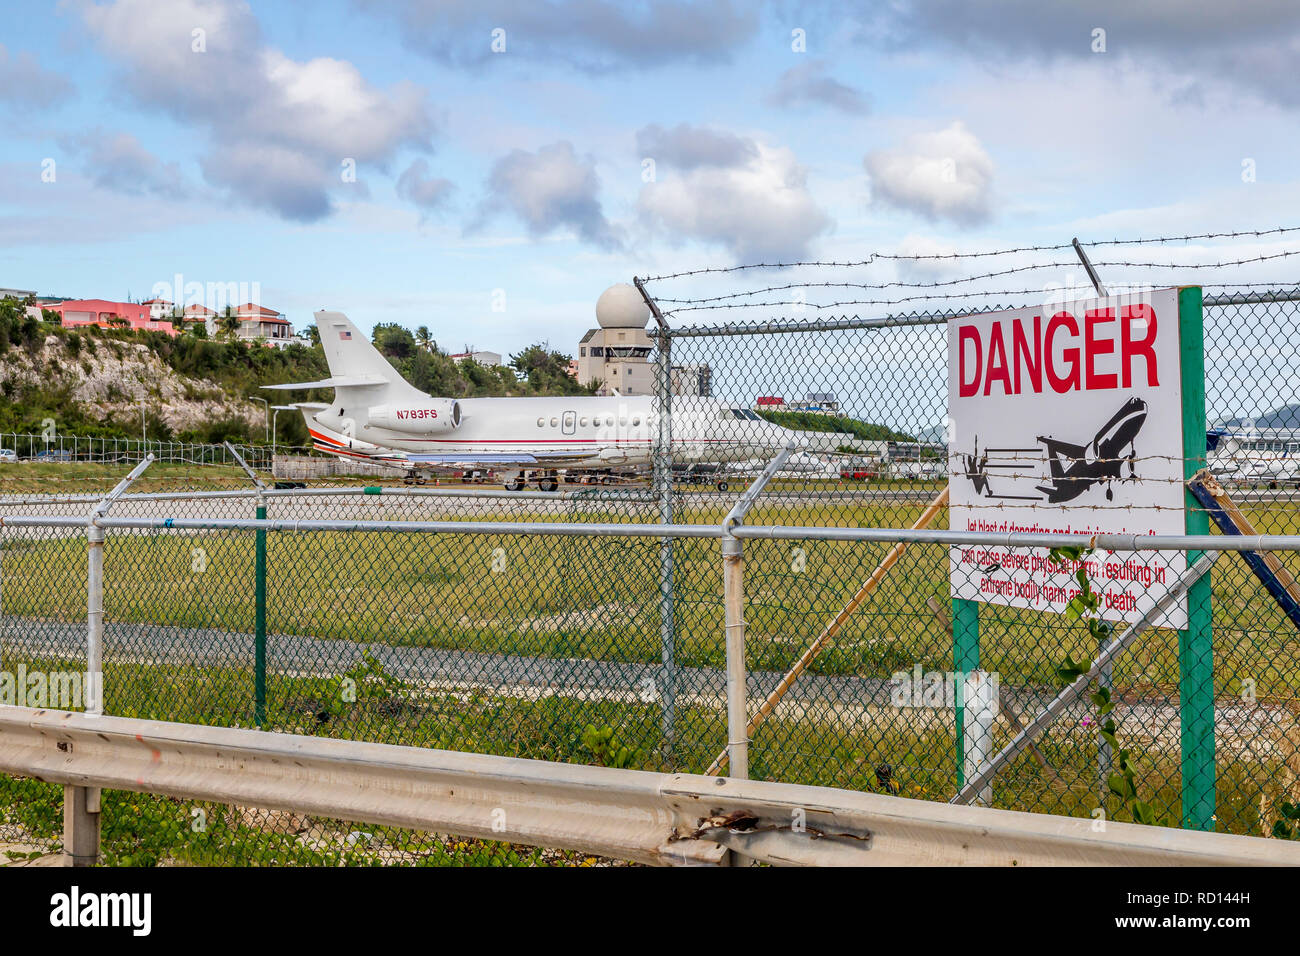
94, 381
816, 422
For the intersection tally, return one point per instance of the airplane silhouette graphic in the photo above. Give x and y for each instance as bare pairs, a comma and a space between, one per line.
1076, 468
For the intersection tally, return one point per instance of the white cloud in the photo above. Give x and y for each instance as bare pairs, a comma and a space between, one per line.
941, 175
25, 84
591, 35
686, 147
758, 207
278, 129
418, 186
119, 161
808, 83
550, 189
1250, 46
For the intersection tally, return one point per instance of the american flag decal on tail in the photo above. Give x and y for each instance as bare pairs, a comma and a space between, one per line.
345, 334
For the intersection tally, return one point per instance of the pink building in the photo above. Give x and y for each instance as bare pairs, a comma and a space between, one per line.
109, 315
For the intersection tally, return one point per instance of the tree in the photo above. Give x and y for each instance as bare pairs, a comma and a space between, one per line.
423, 339
312, 333
546, 372
394, 341
229, 324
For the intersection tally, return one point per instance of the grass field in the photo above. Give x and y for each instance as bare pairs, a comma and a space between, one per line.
599, 598
566, 598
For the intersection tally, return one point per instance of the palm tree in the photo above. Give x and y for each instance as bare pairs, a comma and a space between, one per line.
423, 338
229, 324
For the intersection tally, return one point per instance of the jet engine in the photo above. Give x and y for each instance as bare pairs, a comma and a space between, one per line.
419, 418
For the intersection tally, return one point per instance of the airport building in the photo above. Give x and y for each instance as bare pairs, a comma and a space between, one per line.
695, 381
617, 352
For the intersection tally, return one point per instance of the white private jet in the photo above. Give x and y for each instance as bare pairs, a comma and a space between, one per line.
378, 416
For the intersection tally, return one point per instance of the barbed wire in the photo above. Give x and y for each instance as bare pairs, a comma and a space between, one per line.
727, 299
919, 257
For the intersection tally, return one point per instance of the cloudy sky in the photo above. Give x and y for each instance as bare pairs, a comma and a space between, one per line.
422, 161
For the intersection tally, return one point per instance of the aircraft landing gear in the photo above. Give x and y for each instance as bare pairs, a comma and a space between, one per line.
414, 478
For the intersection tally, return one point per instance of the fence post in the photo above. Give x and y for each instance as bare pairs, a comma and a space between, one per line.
259, 639
80, 825
1195, 644
95, 617
662, 480
81, 804
733, 596
965, 658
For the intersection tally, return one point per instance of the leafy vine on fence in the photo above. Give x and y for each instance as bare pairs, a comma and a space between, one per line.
1086, 606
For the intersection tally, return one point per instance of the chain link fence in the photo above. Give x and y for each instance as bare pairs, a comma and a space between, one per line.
605, 640
873, 394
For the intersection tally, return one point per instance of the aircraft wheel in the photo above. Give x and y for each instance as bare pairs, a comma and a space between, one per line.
548, 484
515, 484
421, 480
723, 486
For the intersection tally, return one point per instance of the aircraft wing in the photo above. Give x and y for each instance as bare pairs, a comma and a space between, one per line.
334, 382
488, 459
1055, 446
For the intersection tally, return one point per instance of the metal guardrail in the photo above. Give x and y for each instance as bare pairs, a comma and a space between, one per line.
1103, 542
654, 818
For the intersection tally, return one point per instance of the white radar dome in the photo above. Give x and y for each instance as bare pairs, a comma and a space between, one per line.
621, 307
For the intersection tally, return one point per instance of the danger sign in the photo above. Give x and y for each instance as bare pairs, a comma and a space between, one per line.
1068, 419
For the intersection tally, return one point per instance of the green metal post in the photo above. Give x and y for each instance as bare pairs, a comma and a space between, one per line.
1195, 645
259, 638
965, 658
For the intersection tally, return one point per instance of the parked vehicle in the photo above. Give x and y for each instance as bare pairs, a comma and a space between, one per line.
60, 455
858, 469
8, 455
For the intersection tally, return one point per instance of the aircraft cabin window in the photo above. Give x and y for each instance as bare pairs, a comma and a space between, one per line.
583, 421
555, 422
636, 420
541, 422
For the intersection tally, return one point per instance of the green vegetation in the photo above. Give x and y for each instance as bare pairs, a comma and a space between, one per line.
1086, 606
238, 369
827, 748
816, 422
597, 599
535, 371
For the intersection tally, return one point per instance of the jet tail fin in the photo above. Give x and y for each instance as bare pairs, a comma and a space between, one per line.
355, 363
